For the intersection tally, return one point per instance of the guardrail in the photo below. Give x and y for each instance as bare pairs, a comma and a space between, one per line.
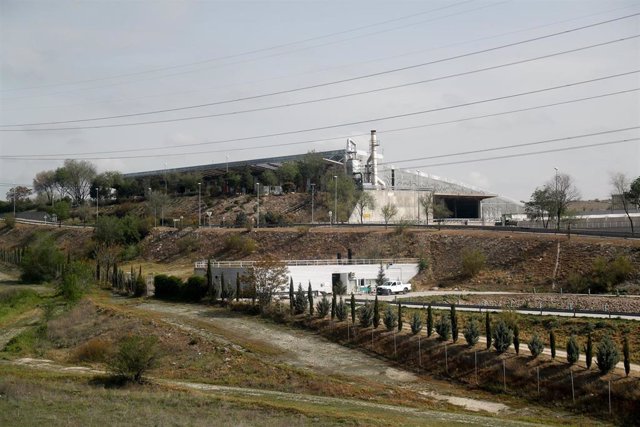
309, 262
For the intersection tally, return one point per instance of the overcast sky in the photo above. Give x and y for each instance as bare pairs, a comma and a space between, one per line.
68, 61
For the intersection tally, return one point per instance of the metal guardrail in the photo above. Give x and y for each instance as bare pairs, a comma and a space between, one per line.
310, 262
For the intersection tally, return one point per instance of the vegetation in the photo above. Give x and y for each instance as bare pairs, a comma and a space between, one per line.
454, 323
310, 299
376, 310
604, 275
536, 346
341, 311
399, 317
416, 323
390, 320
625, 354
516, 338
487, 329
41, 262
471, 332
588, 352
134, 357
552, 343
502, 337
76, 280
429, 320
443, 327
607, 356
473, 261
265, 277
365, 314
323, 307
389, 211
573, 351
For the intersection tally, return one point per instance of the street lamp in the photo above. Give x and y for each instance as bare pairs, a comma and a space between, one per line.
313, 188
258, 211
557, 202
199, 206
335, 203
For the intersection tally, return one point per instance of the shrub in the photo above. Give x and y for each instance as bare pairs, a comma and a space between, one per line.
516, 338
187, 244
443, 327
75, 281
573, 351
135, 356
502, 337
195, 289
323, 307
167, 287
471, 332
242, 245
552, 343
94, 350
41, 262
607, 356
473, 261
300, 301
310, 299
454, 323
487, 329
625, 353
389, 318
423, 264
10, 221
130, 252
588, 351
399, 317
536, 346
341, 311
365, 314
429, 320
416, 322
140, 286
376, 313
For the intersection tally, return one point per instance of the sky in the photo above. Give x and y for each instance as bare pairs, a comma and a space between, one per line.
71, 61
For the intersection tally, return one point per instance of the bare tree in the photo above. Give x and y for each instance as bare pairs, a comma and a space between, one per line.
564, 192
266, 276
622, 187
45, 183
426, 203
157, 203
388, 212
364, 201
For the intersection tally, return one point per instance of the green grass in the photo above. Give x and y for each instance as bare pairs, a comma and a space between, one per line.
14, 302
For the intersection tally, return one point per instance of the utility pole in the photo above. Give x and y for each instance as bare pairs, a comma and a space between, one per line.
258, 211
313, 188
199, 206
335, 204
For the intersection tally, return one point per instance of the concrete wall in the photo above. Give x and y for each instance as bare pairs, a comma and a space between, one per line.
405, 200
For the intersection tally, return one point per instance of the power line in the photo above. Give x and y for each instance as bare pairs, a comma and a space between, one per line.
308, 141
414, 113
287, 105
270, 55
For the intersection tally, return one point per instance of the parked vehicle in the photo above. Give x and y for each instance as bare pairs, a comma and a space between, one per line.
394, 287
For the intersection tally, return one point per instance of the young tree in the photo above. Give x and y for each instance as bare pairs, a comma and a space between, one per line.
353, 308
454, 323
134, 357
365, 314
426, 203
471, 332
564, 192
416, 322
536, 346
237, 286
310, 298
540, 205
502, 337
487, 329
209, 275
364, 201
625, 354
573, 351
607, 356
341, 311
291, 295
588, 352
443, 327
429, 320
45, 183
300, 303
516, 338
267, 275
622, 187
389, 318
376, 313
552, 343
399, 317
388, 212
333, 306
381, 278
323, 307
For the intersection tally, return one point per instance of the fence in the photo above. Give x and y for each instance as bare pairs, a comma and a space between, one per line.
309, 262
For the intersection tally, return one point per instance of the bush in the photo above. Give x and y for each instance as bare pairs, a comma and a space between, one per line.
140, 287
429, 320
552, 344
365, 314
135, 356
473, 261
416, 323
471, 332
502, 337
95, 350
241, 245
389, 318
300, 301
516, 338
588, 351
536, 346
130, 252
443, 327
454, 323
167, 287
573, 351
341, 311
323, 307
10, 220
187, 244
423, 264
607, 356
195, 289
75, 281
625, 353
41, 262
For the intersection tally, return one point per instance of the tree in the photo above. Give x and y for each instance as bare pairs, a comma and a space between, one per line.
76, 280
607, 356
502, 337
157, 203
135, 355
454, 323
588, 352
389, 318
536, 346
291, 296
333, 306
473, 261
540, 205
341, 311
564, 192
41, 262
388, 212
365, 314
376, 313
45, 183
381, 278
634, 193
300, 305
487, 329
267, 275
75, 179
516, 338
573, 351
364, 201
443, 327
552, 343
440, 210
625, 354
21, 195
310, 298
323, 307
416, 322
346, 193
238, 289
429, 320
399, 317
353, 308
426, 203
471, 332
622, 187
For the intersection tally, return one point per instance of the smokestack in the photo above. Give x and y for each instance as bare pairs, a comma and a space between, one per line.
374, 158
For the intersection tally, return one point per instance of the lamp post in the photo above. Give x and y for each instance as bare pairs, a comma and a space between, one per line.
313, 188
557, 202
97, 205
335, 202
258, 211
199, 206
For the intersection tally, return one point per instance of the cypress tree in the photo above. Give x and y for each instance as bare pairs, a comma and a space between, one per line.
399, 317
291, 296
333, 306
98, 271
217, 290
606, 355
573, 351
552, 343
516, 338
454, 323
114, 277
376, 312
209, 277
487, 329
353, 308
310, 297
588, 352
625, 354
238, 286
429, 321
